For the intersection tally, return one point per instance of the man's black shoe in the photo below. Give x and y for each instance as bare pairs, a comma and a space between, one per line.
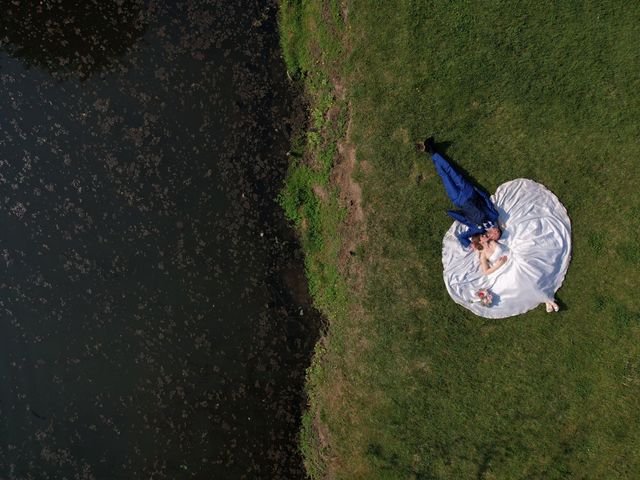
430, 145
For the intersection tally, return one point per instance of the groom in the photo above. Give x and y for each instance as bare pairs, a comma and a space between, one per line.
476, 210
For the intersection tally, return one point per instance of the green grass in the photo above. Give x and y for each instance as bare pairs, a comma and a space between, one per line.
309, 200
416, 386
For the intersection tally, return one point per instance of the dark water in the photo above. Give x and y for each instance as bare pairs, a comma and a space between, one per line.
153, 313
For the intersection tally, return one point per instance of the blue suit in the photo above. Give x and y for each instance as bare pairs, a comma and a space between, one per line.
477, 211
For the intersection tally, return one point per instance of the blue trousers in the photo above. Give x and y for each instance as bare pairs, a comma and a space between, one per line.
459, 189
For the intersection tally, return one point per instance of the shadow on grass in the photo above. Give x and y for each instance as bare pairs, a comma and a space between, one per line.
442, 148
563, 306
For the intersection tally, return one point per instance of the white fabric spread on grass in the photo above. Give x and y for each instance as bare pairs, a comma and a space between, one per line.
537, 242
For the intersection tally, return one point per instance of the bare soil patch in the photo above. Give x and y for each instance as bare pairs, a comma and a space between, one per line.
353, 227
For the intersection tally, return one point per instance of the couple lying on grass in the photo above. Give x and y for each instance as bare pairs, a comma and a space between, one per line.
522, 265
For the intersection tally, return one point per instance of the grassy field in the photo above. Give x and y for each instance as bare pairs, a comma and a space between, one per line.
406, 384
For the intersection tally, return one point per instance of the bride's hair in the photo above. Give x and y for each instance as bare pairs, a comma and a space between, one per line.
475, 239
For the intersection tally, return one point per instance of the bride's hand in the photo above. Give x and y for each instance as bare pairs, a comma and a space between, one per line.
503, 260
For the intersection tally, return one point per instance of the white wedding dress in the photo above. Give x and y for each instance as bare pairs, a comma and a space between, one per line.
536, 241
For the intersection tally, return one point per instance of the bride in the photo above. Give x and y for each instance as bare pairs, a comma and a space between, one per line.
492, 256
525, 267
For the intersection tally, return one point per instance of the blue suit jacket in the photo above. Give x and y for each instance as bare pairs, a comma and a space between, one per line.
489, 214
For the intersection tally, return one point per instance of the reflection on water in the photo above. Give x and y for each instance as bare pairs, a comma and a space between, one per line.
153, 315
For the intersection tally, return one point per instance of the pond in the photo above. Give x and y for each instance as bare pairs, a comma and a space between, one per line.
154, 314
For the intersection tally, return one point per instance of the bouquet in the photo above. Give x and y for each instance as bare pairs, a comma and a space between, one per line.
484, 297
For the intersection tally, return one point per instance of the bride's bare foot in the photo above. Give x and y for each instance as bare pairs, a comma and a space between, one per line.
551, 306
